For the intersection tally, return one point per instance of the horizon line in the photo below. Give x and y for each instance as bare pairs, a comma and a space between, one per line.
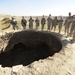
31, 15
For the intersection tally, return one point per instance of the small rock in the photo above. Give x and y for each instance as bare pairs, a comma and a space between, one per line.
15, 69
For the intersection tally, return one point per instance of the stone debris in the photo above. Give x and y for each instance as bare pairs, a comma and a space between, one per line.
15, 69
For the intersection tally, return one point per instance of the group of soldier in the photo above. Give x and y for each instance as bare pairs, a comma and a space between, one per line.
69, 24
51, 23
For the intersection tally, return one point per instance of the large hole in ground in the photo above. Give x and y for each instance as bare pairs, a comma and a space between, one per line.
32, 48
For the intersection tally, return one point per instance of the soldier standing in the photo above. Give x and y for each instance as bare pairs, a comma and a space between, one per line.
43, 21
23, 22
37, 22
49, 20
14, 23
72, 26
54, 23
74, 35
60, 23
72, 32
67, 24
31, 23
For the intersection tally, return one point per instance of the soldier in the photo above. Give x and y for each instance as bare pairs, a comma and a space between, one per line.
31, 23
37, 22
43, 21
60, 21
23, 22
14, 23
54, 23
67, 24
74, 36
49, 20
72, 26
72, 32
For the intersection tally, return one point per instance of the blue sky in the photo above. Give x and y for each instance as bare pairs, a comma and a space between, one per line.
37, 7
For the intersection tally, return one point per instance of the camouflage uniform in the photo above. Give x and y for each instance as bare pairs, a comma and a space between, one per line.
54, 23
43, 21
31, 23
74, 35
67, 24
37, 23
49, 20
23, 22
60, 24
72, 26
14, 24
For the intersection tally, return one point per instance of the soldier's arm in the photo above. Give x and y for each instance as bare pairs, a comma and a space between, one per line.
65, 22
62, 20
51, 19
26, 21
45, 20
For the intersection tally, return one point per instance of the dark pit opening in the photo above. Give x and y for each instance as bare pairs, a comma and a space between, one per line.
25, 56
